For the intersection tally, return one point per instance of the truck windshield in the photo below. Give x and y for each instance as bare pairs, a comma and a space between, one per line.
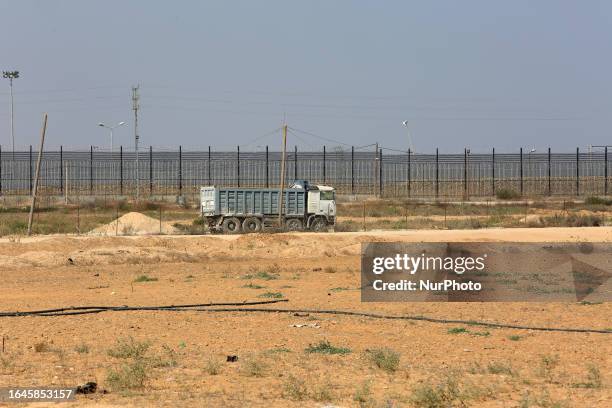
327, 195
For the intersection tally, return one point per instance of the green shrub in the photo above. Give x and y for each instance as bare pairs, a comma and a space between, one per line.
385, 358
325, 347
506, 194
592, 200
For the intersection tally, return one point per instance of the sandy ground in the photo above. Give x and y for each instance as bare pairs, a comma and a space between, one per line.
315, 271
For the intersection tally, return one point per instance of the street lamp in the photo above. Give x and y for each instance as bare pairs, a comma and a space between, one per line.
410, 147
111, 128
10, 75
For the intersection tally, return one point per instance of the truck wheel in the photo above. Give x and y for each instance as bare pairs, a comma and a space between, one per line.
294, 224
231, 225
318, 225
251, 224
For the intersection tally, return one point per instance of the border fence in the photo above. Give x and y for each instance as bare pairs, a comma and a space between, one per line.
350, 171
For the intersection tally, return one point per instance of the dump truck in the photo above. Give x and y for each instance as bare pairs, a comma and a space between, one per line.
246, 210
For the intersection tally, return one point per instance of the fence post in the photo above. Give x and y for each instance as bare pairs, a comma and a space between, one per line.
180, 170
267, 168
324, 164
549, 173
0, 169
380, 173
465, 174
352, 169
61, 169
493, 172
91, 170
121, 170
409, 173
30, 173
605, 171
238, 165
437, 173
577, 171
521, 171
151, 170
209, 157
295, 164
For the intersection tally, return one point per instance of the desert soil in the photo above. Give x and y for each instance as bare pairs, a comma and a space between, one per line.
313, 271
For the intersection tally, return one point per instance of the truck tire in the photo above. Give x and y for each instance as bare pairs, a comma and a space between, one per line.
231, 225
318, 225
251, 224
294, 224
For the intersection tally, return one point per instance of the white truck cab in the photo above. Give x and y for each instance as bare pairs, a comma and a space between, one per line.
322, 201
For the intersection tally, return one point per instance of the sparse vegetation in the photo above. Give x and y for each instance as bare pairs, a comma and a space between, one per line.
271, 295
145, 278
498, 367
82, 348
42, 347
593, 379
385, 358
254, 367
129, 375
441, 394
548, 363
457, 330
212, 366
325, 347
129, 348
506, 194
295, 388
251, 285
514, 337
593, 200
363, 394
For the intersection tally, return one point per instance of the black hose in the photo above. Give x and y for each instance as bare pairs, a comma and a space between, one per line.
75, 310
419, 318
80, 310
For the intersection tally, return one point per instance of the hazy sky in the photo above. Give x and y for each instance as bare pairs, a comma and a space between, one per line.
463, 73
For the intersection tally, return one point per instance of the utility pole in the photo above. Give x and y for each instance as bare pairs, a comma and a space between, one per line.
35, 187
135, 107
282, 178
10, 75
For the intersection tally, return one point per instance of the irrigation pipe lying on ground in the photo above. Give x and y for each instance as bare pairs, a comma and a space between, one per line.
80, 310
75, 310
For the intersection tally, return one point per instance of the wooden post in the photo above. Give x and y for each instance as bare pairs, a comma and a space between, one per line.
34, 188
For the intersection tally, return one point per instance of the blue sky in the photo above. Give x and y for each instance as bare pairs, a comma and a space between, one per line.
463, 73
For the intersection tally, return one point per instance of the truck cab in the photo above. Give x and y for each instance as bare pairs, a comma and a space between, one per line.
322, 204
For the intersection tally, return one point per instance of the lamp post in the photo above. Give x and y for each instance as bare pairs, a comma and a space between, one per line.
111, 128
410, 147
10, 75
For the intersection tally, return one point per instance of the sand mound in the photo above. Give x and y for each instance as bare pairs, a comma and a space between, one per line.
134, 223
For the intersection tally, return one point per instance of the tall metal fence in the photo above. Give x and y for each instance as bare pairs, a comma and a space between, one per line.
350, 171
